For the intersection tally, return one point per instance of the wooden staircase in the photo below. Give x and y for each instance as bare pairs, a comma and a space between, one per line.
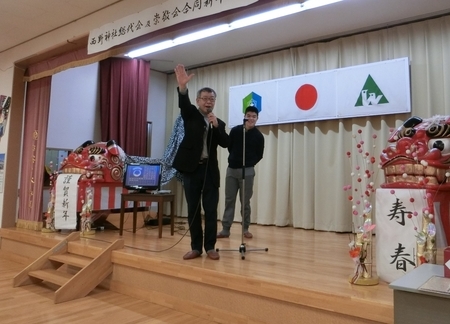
76, 273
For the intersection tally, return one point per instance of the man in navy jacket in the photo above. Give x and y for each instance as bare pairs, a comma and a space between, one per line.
196, 160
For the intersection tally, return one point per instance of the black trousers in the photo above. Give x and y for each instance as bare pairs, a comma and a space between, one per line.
199, 188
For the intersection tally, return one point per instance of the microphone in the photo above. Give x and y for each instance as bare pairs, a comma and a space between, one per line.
209, 110
243, 124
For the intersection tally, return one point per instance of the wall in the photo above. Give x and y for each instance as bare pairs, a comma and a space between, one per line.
74, 108
157, 112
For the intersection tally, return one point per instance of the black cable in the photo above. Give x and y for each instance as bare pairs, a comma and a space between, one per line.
209, 134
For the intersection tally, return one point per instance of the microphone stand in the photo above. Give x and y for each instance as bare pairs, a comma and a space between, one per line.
242, 248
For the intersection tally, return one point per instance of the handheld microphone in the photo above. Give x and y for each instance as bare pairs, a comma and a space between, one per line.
209, 110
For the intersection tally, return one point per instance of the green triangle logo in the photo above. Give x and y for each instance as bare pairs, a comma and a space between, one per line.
370, 94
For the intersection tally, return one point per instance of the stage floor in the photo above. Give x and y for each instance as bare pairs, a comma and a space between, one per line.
306, 259
309, 260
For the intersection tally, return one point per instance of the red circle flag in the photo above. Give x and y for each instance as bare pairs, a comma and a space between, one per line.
306, 97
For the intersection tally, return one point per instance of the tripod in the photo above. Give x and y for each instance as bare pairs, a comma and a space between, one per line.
243, 248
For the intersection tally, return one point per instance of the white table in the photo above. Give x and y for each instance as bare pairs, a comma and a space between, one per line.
412, 305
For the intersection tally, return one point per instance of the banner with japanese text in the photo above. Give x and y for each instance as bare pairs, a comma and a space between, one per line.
166, 14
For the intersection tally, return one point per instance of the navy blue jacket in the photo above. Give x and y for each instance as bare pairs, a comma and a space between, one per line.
190, 149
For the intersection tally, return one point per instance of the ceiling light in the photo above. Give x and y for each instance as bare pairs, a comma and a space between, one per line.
151, 49
311, 4
265, 16
202, 34
248, 21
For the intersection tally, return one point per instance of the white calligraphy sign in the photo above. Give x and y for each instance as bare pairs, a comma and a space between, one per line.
66, 196
396, 232
397, 227
157, 17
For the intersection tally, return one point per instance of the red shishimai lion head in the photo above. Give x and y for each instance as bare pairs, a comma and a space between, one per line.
97, 162
418, 154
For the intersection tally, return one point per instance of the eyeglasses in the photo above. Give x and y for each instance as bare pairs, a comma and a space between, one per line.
212, 99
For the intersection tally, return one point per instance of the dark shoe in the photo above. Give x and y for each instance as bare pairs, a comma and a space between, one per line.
213, 255
222, 235
191, 255
248, 235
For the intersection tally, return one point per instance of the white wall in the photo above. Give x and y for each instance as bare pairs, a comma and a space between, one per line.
74, 108
157, 112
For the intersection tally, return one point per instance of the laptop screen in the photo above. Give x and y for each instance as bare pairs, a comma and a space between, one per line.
142, 176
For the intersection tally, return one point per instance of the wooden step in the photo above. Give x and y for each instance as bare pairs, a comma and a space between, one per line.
71, 259
93, 267
91, 251
51, 275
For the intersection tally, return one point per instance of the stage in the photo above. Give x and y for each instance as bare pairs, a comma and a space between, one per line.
304, 274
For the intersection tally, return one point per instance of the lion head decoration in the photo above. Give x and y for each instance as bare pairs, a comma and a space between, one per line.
96, 162
418, 154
